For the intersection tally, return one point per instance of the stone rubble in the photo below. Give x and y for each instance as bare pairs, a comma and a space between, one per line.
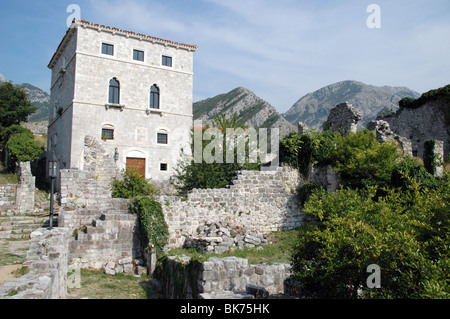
220, 237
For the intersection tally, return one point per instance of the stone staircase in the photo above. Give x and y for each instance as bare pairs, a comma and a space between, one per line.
111, 238
15, 233
20, 226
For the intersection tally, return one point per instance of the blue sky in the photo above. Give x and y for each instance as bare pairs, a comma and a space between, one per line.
281, 50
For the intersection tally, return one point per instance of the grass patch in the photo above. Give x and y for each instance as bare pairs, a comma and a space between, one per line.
8, 178
7, 258
95, 284
279, 251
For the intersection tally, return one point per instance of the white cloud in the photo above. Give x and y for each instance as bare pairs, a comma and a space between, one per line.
287, 48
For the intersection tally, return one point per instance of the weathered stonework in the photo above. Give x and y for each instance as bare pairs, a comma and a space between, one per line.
420, 124
47, 261
79, 104
260, 202
343, 118
302, 128
325, 176
216, 276
384, 133
19, 197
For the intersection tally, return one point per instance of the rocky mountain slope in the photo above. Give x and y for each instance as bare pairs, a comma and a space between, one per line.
251, 109
39, 98
314, 108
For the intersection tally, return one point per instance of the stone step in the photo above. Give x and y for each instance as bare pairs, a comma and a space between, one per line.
117, 215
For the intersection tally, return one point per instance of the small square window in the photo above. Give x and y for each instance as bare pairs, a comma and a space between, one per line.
107, 134
167, 60
107, 49
163, 166
138, 55
162, 138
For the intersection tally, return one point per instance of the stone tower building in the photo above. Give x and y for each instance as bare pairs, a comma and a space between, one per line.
132, 92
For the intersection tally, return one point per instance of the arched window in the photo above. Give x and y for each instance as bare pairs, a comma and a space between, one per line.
114, 91
154, 97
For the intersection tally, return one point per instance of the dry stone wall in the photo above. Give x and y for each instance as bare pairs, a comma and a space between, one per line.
19, 197
420, 124
259, 201
384, 133
47, 261
184, 278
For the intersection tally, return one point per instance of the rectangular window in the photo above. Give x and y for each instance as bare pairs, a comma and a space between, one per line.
107, 49
163, 167
167, 60
138, 55
107, 134
162, 138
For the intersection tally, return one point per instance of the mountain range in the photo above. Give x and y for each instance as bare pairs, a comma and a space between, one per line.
250, 109
312, 109
38, 98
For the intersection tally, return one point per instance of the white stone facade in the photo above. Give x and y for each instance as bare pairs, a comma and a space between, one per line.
80, 106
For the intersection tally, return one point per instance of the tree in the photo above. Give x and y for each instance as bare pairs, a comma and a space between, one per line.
14, 106
213, 175
23, 148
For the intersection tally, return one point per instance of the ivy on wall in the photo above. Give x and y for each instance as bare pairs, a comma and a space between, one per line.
153, 226
430, 159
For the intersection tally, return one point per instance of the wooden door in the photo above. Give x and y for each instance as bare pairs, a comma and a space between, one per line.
138, 163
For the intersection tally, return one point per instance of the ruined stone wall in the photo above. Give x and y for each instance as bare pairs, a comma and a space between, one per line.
47, 261
343, 118
421, 124
181, 278
7, 196
260, 202
19, 197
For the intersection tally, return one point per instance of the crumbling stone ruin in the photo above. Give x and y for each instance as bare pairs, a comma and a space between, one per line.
422, 123
384, 133
220, 237
343, 118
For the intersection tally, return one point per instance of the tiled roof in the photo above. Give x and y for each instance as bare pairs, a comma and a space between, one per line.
129, 33
95, 25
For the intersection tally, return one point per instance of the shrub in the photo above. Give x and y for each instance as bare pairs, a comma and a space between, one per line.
405, 233
153, 226
362, 161
430, 158
23, 148
131, 185
407, 169
302, 150
213, 175
305, 191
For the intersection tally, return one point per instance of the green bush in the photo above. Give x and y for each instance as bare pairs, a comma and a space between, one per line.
131, 185
407, 169
405, 233
362, 161
213, 175
153, 226
302, 150
305, 191
23, 148
430, 159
